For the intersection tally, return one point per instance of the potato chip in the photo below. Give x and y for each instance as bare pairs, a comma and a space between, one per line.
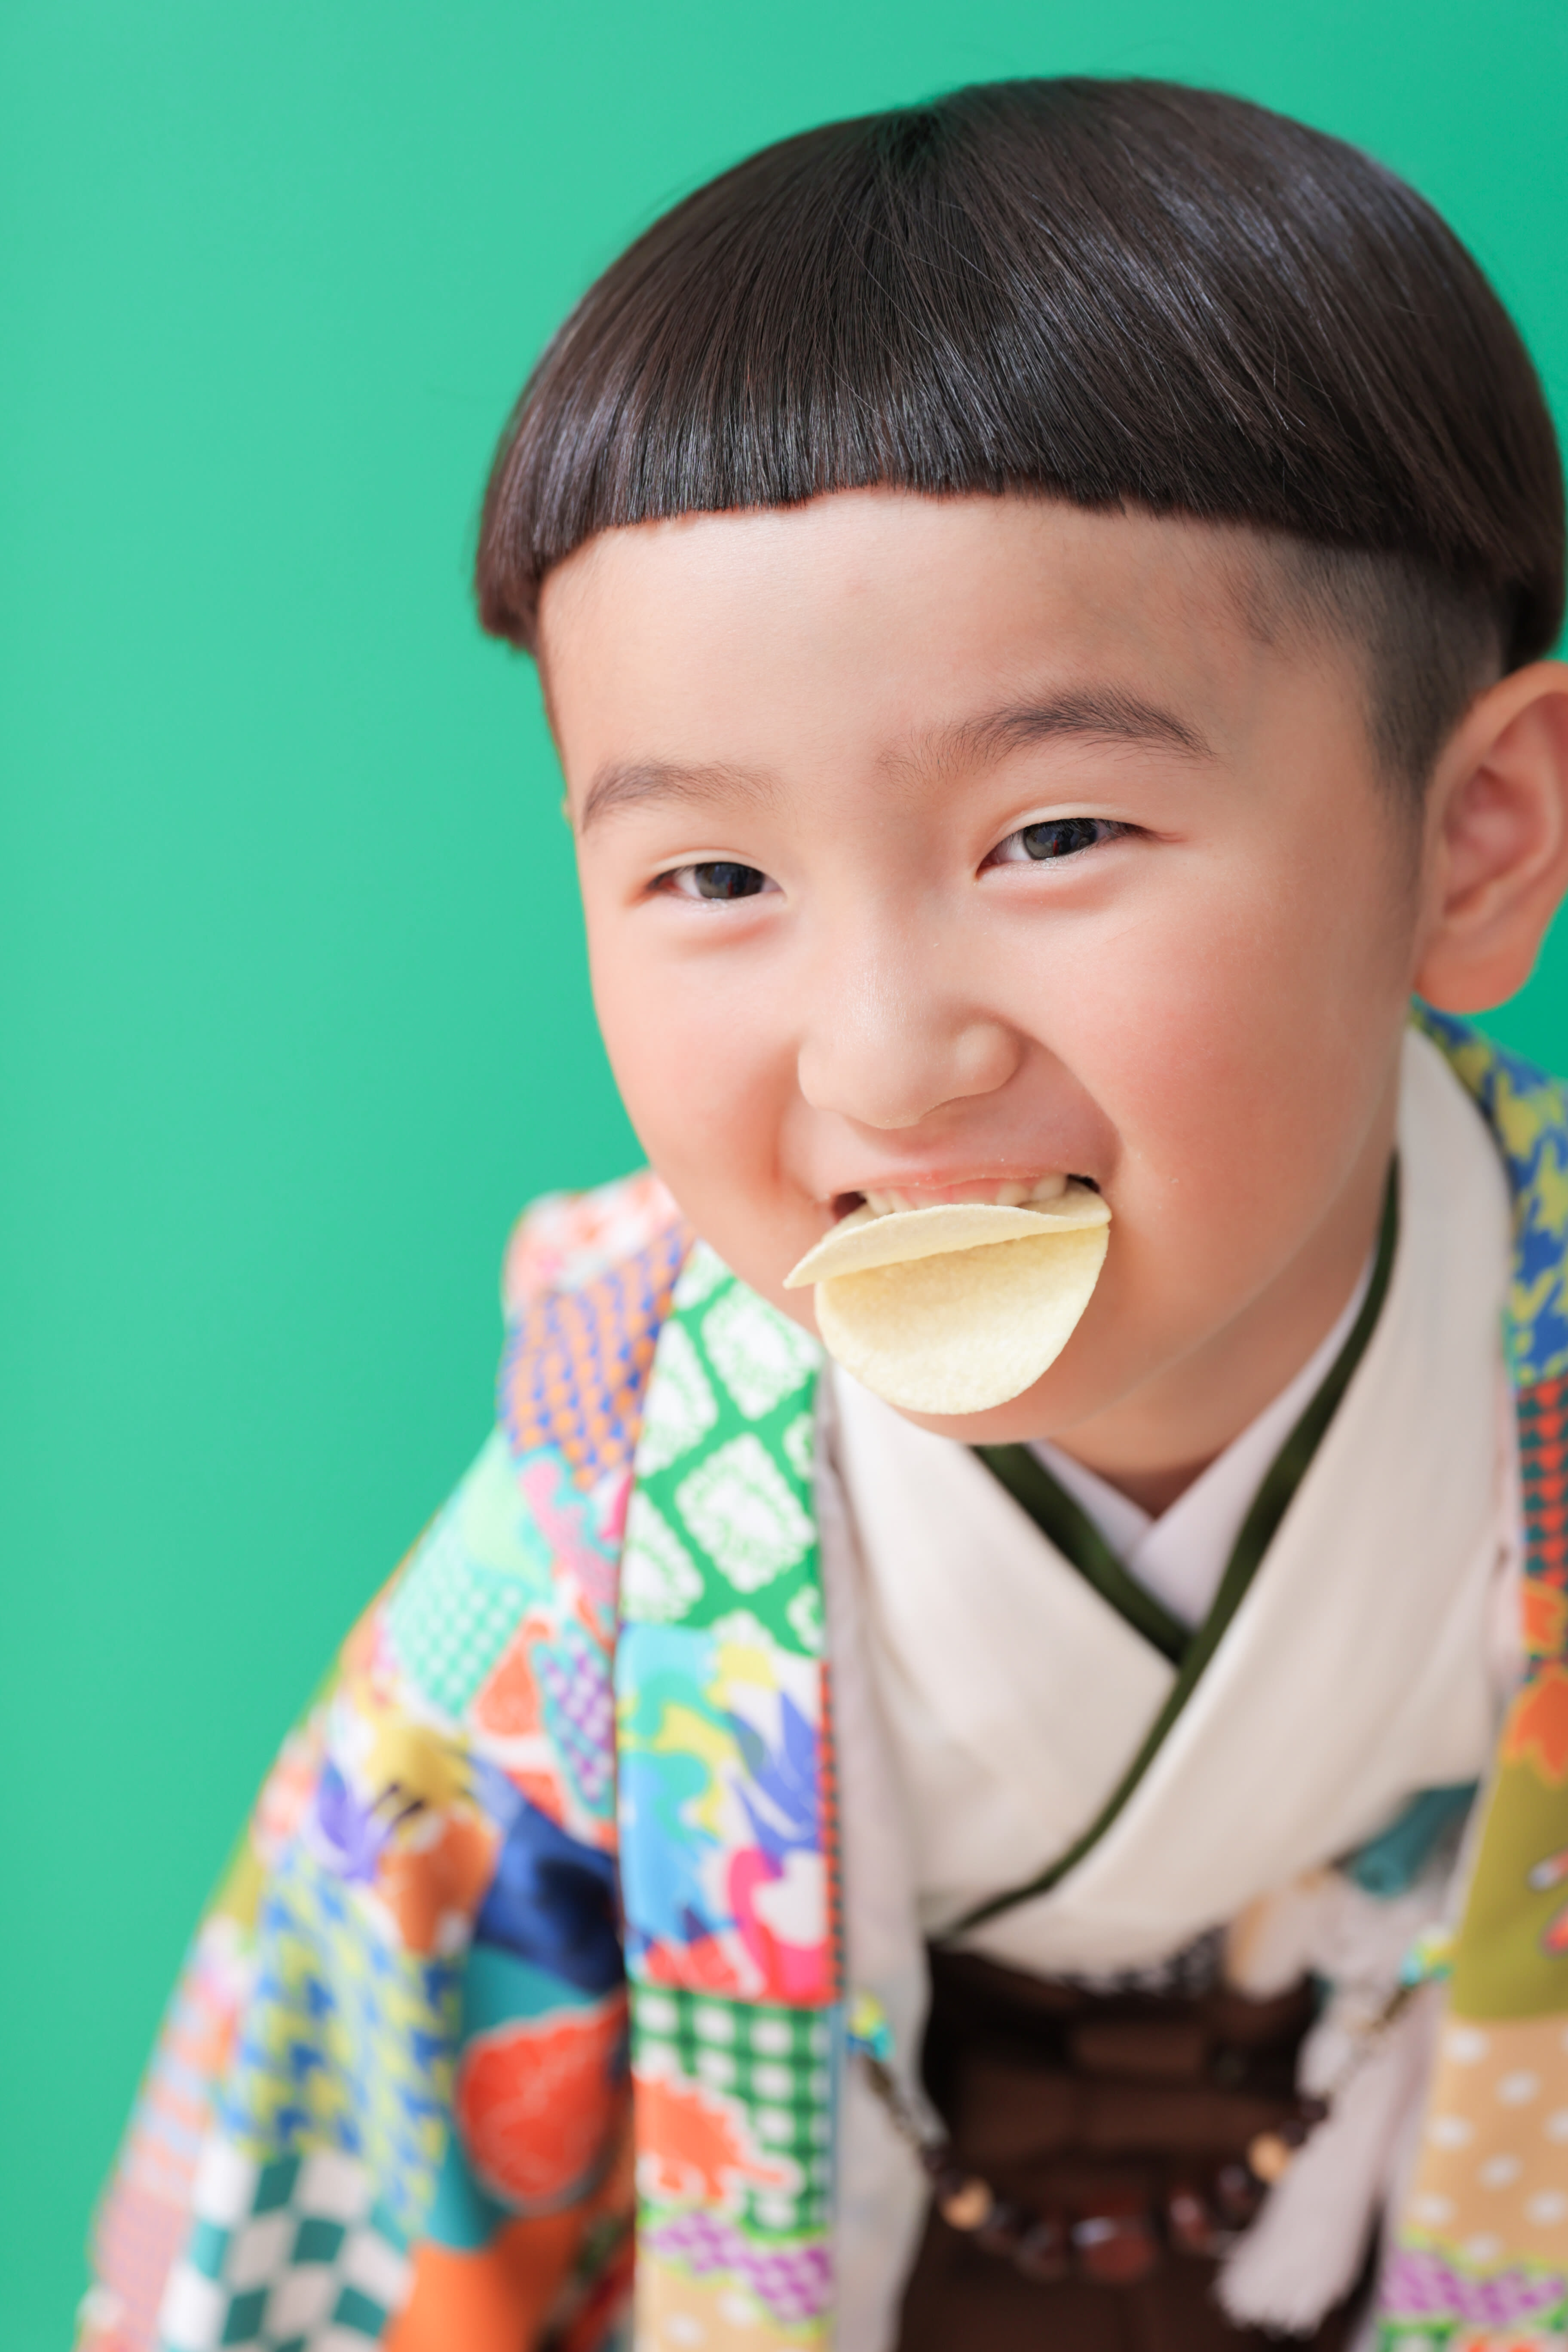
957, 1308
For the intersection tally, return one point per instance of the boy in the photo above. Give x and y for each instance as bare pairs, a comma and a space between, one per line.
1042, 600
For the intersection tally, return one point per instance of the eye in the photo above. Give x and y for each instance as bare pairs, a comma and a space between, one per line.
716, 878
1054, 837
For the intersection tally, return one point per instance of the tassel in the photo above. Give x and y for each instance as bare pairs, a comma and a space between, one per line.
1306, 2250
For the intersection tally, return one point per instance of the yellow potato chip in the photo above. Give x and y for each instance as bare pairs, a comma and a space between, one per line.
862, 1239
957, 1307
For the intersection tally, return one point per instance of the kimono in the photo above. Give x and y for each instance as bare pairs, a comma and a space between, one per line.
524, 2013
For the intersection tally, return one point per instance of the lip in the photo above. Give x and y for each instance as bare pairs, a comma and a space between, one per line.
935, 1188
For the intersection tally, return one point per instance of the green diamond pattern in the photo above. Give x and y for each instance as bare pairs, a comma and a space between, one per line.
659, 1578
760, 1356
805, 1615
722, 1510
699, 1278
799, 1443
681, 1405
744, 1515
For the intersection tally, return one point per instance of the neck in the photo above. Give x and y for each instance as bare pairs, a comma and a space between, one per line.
1154, 1444
1153, 1490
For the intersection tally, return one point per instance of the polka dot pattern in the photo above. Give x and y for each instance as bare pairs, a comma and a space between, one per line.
1492, 2171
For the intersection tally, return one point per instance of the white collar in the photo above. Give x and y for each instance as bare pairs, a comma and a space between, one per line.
1357, 1670
1181, 1556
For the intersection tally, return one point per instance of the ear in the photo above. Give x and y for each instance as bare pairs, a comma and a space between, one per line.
1496, 857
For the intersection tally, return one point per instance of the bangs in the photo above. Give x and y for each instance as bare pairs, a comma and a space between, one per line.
1118, 293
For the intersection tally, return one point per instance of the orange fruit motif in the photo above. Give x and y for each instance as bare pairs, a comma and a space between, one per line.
508, 1703
699, 2151
536, 2099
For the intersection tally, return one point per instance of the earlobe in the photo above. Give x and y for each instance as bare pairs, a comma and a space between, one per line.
1496, 857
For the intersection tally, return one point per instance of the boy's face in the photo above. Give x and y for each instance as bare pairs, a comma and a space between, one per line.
929, 845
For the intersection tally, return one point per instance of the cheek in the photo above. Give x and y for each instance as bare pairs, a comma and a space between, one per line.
1238, 1040
694, 1059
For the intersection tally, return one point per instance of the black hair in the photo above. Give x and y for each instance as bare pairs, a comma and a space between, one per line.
1118, 293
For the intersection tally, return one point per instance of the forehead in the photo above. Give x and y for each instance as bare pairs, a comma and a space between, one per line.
867, 617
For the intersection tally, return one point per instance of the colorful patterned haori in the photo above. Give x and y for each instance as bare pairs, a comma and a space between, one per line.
518, 2018
1481, 2258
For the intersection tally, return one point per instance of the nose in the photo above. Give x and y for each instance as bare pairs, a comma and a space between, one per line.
889, 1039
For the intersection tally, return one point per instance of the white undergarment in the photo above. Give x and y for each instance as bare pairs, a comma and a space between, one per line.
1181, 1556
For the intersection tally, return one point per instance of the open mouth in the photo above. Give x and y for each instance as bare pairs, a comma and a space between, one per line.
949, 1301
997, 1192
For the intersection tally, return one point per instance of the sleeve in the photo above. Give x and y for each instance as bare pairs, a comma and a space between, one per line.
389, 2102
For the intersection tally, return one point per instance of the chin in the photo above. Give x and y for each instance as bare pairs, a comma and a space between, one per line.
1037, 1414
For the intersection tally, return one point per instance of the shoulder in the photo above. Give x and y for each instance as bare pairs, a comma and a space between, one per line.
1524, 1105
565, 1241
586, 1287
1528, 1116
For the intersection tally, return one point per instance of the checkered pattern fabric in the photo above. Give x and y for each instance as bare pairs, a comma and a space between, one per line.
794, 2282
293, 2256
346, 2039
1543, 1479
579, 1708
777, 2062
1426, 2288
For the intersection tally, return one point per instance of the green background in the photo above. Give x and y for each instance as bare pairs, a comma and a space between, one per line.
295, 1013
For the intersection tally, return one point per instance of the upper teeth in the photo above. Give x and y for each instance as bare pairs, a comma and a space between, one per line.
1013, 1194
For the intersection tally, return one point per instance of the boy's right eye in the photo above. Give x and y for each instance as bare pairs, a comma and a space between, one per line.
718, 878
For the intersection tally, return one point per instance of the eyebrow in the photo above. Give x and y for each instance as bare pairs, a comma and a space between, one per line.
1104, 710
629, 784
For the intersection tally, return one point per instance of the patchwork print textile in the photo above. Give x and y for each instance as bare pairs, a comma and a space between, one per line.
726, 1830
392, 2086
556, 1847
293, 2252
1482, 2256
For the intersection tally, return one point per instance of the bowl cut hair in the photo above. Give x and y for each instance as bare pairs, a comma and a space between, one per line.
1124, 294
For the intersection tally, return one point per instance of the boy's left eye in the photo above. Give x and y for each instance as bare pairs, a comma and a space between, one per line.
1054, 837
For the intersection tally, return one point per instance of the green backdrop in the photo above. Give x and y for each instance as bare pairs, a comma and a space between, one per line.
295, 1013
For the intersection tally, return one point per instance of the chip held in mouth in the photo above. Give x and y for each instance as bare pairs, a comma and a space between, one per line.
961, 1305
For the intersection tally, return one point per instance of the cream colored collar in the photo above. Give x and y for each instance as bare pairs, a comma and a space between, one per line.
1356, 1671
1181, 1556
